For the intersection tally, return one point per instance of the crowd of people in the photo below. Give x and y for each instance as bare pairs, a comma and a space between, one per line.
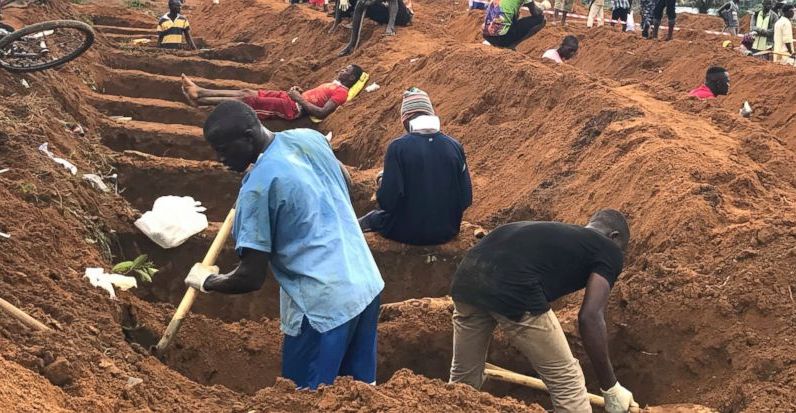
294, 215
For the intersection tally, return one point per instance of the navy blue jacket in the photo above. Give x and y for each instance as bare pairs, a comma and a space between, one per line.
425, 188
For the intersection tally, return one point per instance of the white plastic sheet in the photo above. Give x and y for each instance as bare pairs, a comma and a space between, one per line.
172, 220
99, 278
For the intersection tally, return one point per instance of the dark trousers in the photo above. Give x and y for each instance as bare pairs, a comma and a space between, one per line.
620, 14
657, 14
520, 30
380, 13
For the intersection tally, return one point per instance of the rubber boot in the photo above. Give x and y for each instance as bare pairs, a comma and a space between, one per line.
656, 24
670, 33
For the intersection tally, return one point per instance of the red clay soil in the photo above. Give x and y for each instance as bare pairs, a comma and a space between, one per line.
704, 312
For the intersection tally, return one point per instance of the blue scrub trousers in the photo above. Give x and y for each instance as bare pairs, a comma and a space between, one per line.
314, 358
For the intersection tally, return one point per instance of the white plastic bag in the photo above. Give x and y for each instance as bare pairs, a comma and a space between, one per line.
99, 278
172, 220
631, 24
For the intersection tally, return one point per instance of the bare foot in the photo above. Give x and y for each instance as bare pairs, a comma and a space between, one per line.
190, 90
389, 32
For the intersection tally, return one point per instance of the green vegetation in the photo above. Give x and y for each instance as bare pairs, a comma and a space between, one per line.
141, 267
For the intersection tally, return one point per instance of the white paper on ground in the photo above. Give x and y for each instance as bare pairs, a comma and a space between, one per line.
172, 220
99, 278
60, 161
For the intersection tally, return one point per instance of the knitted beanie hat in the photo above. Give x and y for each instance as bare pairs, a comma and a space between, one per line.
415, 101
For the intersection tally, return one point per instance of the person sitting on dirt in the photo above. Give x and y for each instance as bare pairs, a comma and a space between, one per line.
174, 29
567, 50
389, 12
294, 213
425, 186
783, 37
509, 280
657, 16
503, 27
319, 102
763, 22
729, 13
717, 83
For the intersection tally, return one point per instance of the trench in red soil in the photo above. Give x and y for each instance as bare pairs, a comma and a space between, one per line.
245, 356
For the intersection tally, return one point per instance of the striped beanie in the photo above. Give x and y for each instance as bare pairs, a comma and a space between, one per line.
415, 101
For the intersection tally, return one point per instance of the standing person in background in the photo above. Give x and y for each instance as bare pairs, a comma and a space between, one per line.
174, 29
503, 26
565, 7
763, 22
426, 186
647, 9
596, 11
657, 15
729, 12
621, 9
783, 37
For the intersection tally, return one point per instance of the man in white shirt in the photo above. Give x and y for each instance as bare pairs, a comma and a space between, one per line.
783, 37
567, 50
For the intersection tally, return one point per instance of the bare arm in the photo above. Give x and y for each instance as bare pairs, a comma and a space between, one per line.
591, 322
189, 40
346, 175
312, 110
249, 276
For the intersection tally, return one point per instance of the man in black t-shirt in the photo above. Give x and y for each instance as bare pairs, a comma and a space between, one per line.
509, 279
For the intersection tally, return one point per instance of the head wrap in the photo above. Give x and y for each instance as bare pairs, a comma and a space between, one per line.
415, 101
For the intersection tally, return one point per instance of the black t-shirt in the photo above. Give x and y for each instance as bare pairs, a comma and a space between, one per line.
523, 266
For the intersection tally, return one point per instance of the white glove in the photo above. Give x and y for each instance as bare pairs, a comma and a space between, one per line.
618, 399
344, 5
198, 275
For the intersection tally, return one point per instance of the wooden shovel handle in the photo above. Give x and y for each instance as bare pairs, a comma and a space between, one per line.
499, 373
190, 295
22, 316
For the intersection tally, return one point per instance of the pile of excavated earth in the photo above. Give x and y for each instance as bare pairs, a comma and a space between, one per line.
703, 315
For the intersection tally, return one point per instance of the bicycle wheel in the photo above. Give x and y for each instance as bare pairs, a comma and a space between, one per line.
44, 45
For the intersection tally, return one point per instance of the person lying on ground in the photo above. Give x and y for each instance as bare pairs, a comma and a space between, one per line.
762, 25
294, 214
783, 37
425, 186
503, 26
509, 280
389, 12
174, 29
657, 16
564, 7
729, 13
319, 102
717, 83
621, 10
567, 50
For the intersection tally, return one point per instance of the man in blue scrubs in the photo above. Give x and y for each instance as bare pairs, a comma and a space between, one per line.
294, 212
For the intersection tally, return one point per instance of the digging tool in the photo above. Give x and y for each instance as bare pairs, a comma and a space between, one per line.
499, 373
190, 295
23, 316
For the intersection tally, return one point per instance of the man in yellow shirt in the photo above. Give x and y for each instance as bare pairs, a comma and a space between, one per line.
783, 37
174, 29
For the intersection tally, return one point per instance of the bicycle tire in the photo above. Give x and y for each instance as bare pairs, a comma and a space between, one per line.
48, 25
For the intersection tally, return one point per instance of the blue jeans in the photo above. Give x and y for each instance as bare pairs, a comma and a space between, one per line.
312, 358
